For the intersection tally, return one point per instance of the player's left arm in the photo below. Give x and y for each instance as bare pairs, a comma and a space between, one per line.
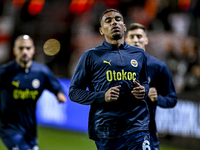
144, 77
61, 97
166, 93
2, 71
53, 85
138, 91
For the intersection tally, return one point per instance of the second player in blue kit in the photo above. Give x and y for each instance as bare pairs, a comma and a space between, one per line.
162, 91
22, 81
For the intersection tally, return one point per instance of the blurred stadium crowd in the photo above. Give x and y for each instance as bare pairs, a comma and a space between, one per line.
173, 25
173, 31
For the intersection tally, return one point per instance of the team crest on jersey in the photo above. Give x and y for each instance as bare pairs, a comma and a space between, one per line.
134, 63
35, 83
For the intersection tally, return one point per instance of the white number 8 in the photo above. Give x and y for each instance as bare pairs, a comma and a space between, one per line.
146, 145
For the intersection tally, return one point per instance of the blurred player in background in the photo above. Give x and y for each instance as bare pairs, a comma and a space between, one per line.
116, 76
162, 91
22, 81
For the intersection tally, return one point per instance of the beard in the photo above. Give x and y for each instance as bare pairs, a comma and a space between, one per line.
24, 61
116, 36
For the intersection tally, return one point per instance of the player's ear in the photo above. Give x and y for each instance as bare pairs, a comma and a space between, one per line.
146, 41
124, 27
34, 49
101, 31
14, 51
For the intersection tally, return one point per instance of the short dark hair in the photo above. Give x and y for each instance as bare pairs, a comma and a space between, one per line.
134, 26
108, 10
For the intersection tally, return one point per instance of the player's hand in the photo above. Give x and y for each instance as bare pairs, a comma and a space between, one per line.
138, 91
153, 95
112, 94
61, 97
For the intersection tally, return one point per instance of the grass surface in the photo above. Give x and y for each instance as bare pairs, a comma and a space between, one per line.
55, 139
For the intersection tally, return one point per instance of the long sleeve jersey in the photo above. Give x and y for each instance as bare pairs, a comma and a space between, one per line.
160, 78
19, 92
101, 68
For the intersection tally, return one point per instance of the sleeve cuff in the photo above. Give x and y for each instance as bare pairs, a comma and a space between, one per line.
100, 98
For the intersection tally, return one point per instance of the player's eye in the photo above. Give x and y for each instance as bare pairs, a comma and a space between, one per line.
28, 48
132, 36
118, 18
108, 20
21, 48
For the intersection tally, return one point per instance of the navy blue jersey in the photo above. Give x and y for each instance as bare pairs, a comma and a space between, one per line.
101, 68
160, 78
19, 92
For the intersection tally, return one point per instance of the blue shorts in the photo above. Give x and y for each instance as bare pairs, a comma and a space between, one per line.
20, 141
135, 141
154, 142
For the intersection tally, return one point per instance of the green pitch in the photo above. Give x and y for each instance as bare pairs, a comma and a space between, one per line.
55, 139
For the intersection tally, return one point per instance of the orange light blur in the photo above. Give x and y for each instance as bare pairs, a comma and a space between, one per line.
35, 7
184, 4
18, 3
151, 7
80, 6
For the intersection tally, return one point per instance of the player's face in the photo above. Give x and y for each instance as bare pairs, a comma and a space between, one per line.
112, 26
24, 50
137, 37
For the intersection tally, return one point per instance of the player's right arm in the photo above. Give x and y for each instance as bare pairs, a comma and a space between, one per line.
112, 94
2, 71
153, 95
81, 80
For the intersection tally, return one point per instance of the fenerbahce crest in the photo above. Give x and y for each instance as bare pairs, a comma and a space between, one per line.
134, 63
36, 83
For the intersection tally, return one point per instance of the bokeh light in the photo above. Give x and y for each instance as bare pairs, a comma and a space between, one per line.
35, 7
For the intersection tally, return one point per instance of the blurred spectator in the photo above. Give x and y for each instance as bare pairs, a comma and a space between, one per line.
190, 58
171, 58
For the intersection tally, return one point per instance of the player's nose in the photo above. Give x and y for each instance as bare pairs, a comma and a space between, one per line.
135, 39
